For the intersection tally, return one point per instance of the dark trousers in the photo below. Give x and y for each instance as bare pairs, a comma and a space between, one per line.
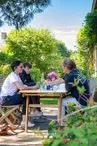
35, 100
15, 100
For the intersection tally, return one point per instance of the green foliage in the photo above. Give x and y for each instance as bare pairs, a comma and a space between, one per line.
75, 83
46, 142
6, 50
80, 128
63, 49
38, 47
5, 57
86, 40
91, 22
20, 12
83, 57
35, 74
80, 125
48, 101
81, 89
5, 69
71, 104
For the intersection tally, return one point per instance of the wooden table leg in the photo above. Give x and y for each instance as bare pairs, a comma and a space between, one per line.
27, 107
59, 112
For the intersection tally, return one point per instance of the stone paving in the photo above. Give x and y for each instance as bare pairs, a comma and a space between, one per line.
35, 135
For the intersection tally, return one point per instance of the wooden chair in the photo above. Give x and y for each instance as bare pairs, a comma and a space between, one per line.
6, 114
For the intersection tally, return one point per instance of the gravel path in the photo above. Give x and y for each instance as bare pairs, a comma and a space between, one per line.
36, 135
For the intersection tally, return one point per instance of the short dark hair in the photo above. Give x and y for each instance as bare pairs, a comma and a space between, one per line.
15, 64
70, 64
27, 64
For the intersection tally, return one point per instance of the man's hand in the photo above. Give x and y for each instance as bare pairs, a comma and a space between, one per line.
46, 82
55, 82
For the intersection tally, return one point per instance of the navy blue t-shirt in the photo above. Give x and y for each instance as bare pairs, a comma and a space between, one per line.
69, 80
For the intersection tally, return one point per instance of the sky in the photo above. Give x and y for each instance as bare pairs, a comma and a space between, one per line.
63, 18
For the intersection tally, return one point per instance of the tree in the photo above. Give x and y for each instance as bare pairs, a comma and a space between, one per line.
3, 58
36, 46
86, 40
20, 12
91, 23
84, 55
63, 49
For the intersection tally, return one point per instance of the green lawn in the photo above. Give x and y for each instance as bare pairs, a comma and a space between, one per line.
49, 101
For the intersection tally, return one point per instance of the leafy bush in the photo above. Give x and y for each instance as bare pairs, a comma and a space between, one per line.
35, 74
5, 69
80, 128
37, 46
46, 142
3, 57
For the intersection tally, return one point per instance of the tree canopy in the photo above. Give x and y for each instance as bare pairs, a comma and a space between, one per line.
86, 40
63, 49
20, 12
84, 54
36, 46
91, 22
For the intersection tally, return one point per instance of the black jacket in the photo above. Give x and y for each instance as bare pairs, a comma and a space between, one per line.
69, 80
26, 79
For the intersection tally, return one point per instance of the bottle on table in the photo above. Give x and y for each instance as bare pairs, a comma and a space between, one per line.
42, 86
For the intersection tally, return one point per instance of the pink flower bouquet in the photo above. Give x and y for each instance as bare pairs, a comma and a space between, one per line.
51, 75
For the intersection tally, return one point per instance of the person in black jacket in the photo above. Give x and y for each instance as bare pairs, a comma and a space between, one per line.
73, 81
27, 80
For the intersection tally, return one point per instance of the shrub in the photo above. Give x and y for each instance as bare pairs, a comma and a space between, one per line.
5, 69
80, 129
35, 74
3, 57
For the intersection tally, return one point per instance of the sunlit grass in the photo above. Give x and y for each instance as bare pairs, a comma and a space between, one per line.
48, 101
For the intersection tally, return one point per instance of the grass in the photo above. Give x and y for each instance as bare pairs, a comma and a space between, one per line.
48, 101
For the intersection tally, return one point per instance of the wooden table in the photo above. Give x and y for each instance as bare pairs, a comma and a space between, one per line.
42, 94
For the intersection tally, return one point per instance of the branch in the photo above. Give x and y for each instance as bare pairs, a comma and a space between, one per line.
80, 111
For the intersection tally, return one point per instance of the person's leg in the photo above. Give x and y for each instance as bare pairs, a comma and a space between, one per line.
23, 123
65, 101
13, 100
35, 112
35, 100
32, 101
38, 102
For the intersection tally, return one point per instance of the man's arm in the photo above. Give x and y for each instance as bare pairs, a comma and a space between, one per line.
55, 82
